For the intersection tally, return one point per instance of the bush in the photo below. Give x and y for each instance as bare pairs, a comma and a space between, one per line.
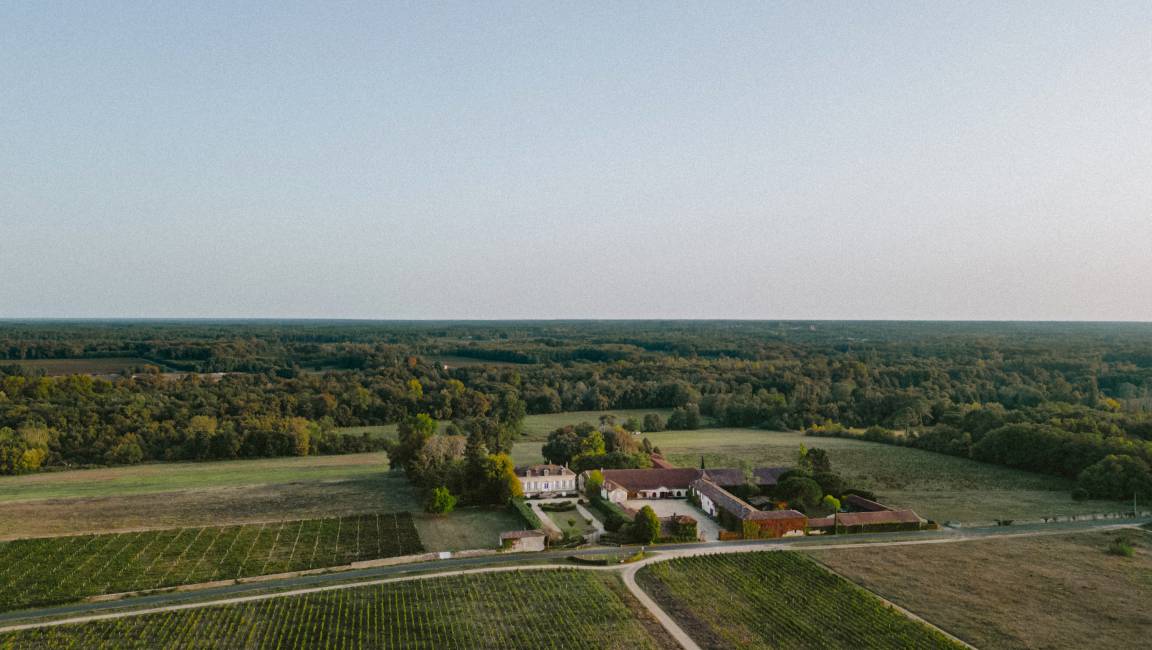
1120, 547
440, 501
1079, 494
562, 506
646, 528
609, 509
525, 511
614, 523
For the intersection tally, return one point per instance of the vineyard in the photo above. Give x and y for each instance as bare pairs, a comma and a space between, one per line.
523, 609
777, 600
51, 570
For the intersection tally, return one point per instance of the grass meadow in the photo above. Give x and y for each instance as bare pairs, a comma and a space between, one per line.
777, 600
1063, 591
529, 609
51, 570
96, 366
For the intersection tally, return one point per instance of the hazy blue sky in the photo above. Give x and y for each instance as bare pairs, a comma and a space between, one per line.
511, 160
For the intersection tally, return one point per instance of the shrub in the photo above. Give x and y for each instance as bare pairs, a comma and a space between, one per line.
1120, 547
593, 484
1079, 494
562, 506
525, 511
646, 528
440, 501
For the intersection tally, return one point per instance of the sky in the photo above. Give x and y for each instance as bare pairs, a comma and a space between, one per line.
782, 160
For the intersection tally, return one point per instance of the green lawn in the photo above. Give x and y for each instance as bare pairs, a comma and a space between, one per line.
160, 477
527, 609
561, 519
466, 528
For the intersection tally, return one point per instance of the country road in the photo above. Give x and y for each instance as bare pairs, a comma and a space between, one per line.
239, 593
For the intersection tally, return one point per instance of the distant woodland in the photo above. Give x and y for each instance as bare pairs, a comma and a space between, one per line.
1058, 398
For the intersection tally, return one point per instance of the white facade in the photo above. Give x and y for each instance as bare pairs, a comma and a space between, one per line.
707, 505
546, 479
533, 485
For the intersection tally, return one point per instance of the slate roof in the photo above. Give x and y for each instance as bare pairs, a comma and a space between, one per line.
731, 476
538, 470
738, 507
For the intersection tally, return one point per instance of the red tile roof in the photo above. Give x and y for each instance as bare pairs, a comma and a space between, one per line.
650, 479
878, 517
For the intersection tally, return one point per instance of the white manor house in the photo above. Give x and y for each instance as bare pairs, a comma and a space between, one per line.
538, 480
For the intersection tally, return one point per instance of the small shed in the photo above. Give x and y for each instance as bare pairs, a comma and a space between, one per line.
522, 540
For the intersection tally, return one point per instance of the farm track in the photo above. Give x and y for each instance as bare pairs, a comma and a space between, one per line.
360, 578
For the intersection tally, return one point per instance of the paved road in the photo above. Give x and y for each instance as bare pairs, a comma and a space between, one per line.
352, 578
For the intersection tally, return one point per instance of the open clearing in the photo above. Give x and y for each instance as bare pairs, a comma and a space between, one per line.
160, 477
520, 609
777, 600
1034, 592
536, 427
60, 569
97, 366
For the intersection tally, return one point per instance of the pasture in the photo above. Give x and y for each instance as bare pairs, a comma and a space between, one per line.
777, 600
52, 570
164, 477
536, 427
93, 366
1034, 592
528, 609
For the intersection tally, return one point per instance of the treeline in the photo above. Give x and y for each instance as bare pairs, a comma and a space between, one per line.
285, 377
1100, 450
78, 420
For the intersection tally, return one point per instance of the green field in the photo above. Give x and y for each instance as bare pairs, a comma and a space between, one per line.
777, 600
525, 609
96, 366
162, 477
52, 570
536, 427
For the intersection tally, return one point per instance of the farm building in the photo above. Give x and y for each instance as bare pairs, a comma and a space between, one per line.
735, 513
522, 540
623, 484
764, 477
868, 522
665, 481
537, 480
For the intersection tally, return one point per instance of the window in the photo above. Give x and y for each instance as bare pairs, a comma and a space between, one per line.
545, 486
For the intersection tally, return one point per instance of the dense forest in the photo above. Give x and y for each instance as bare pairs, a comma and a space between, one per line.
1052, 397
